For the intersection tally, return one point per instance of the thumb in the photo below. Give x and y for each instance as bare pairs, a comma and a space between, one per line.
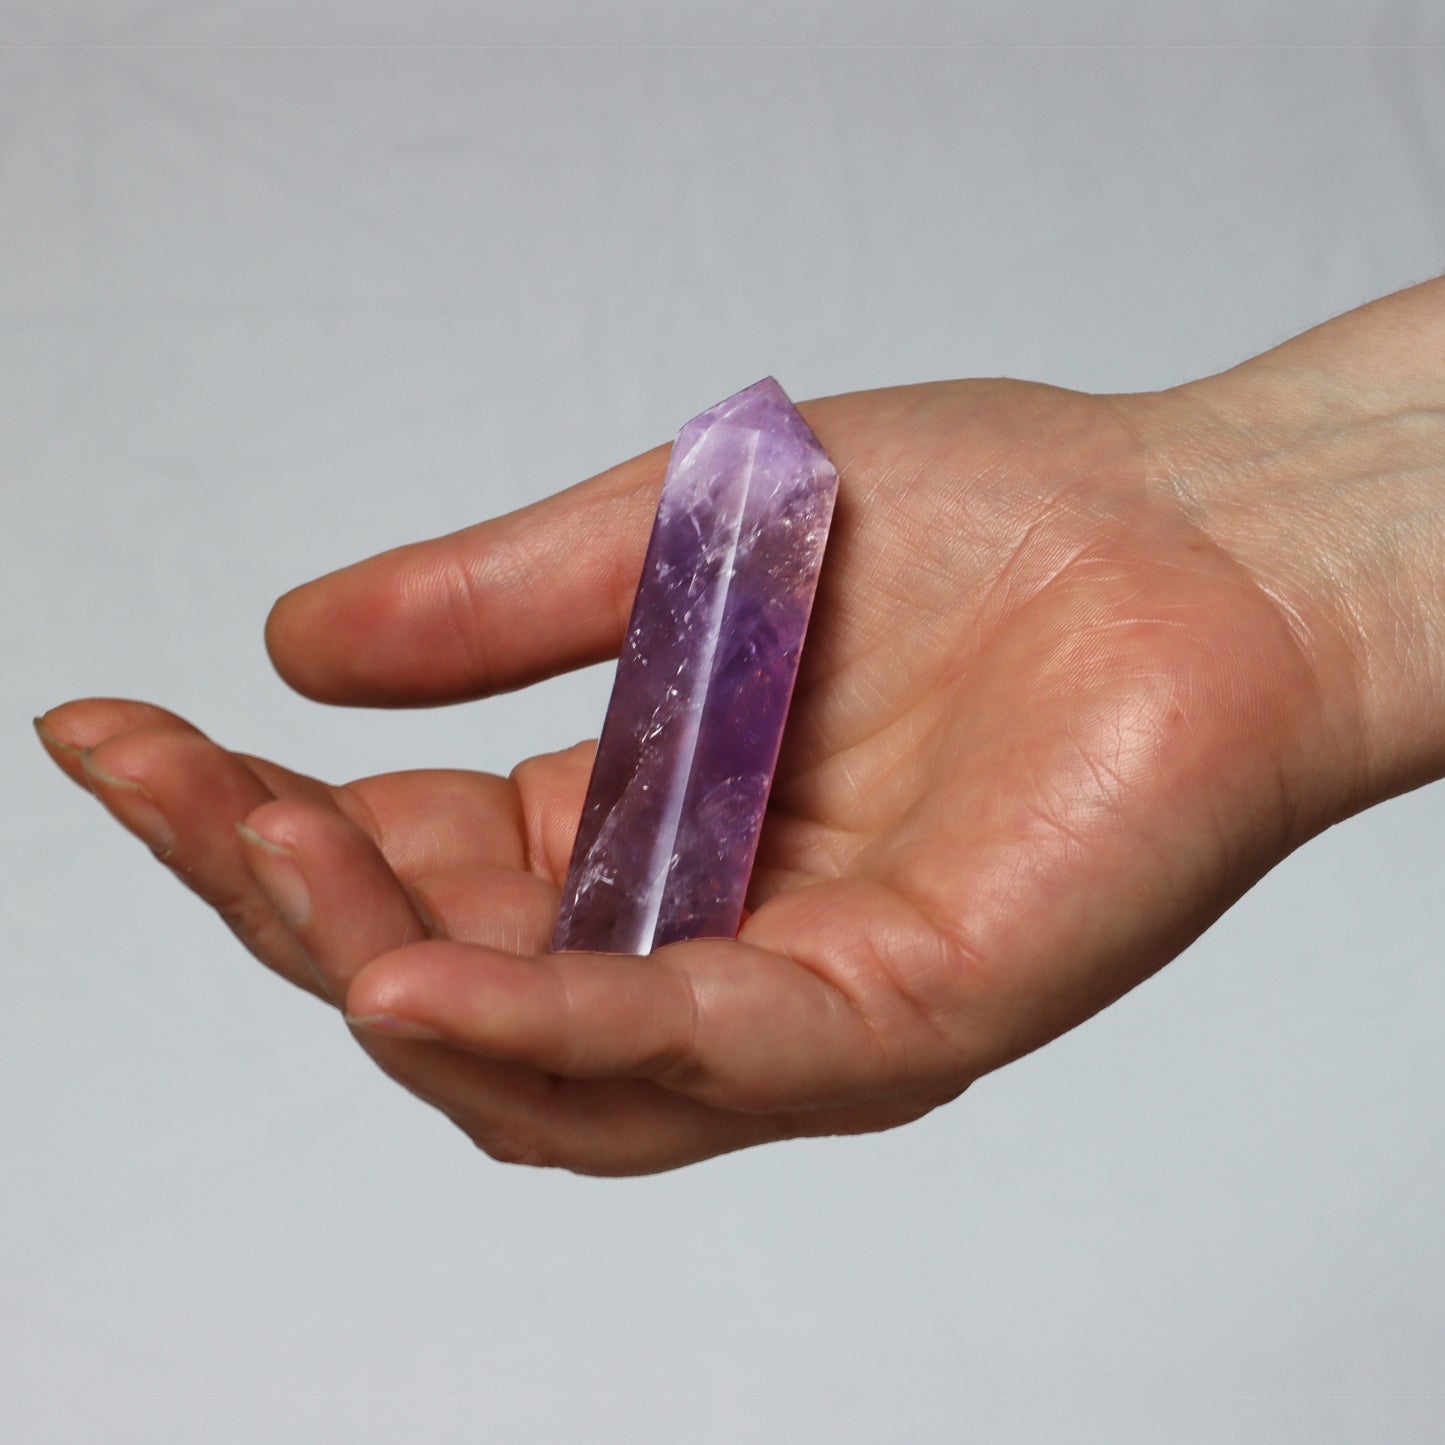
492, 607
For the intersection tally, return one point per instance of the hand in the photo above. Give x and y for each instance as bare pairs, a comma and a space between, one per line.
1081, 669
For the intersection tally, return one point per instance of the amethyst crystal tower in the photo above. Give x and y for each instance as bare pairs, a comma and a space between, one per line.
690, 742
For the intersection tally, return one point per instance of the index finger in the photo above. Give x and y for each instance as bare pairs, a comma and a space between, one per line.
495, 606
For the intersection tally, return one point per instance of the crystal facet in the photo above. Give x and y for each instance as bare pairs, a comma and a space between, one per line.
691, 737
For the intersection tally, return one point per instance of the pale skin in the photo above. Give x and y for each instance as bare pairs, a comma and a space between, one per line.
1081, 670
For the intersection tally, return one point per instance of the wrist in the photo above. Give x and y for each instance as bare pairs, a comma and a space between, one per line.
1320, 468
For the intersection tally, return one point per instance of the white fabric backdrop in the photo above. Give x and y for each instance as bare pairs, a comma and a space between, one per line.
284, 283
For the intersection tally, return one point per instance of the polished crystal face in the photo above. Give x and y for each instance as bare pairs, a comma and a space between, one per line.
688, 749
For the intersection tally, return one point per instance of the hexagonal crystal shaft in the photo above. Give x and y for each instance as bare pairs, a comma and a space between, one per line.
690, 742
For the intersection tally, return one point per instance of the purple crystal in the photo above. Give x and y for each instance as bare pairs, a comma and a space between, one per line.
690, 742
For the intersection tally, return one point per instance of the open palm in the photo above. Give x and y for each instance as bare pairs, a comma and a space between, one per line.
1047, 729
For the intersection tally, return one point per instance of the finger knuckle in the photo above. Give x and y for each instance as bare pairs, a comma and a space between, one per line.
251, 922
515, 1146
676, 1063
675, 1067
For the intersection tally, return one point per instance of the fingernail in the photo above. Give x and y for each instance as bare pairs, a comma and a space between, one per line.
133, 804
276, 869
394, 1027
53, 743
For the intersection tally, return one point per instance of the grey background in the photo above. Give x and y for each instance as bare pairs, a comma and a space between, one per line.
282, 284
